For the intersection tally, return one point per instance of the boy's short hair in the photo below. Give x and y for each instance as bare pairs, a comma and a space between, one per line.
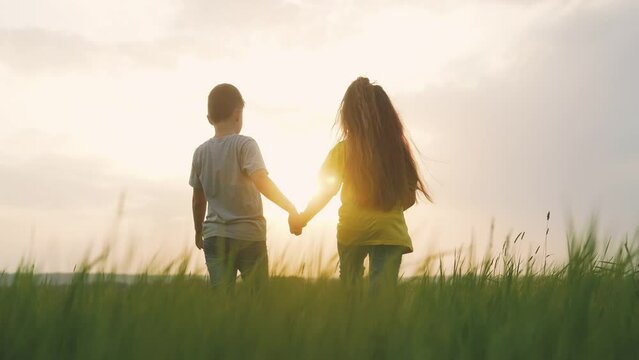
223, 100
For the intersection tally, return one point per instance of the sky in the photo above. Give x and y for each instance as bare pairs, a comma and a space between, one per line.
517, 108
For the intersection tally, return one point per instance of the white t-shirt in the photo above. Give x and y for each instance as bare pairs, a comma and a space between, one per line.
221, 167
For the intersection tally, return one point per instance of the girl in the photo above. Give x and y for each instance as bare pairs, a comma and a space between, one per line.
374, 164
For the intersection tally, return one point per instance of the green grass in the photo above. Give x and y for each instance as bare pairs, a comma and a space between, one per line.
502, 308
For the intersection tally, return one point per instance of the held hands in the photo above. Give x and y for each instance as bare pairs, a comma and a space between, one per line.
295, 223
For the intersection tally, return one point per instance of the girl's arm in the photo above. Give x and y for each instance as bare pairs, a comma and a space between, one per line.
328, 191
410, 199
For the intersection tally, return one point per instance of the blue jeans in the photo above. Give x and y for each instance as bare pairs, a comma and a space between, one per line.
224, 257
384, 261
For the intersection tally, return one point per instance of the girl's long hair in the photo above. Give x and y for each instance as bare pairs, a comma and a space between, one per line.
379, 164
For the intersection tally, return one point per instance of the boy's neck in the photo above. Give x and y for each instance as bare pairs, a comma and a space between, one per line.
225, 129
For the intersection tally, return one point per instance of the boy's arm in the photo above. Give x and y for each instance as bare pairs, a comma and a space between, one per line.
267, 187
199, 211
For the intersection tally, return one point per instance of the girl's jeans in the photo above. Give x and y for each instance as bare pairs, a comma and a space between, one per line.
384, 261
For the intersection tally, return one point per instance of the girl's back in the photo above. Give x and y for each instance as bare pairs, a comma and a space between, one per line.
361, 224
376, 168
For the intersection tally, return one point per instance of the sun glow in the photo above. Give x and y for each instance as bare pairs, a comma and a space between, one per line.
101, 99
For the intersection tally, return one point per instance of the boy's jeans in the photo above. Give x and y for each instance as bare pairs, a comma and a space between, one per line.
224, 257
384, 261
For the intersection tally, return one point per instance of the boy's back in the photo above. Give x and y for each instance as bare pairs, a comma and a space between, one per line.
222, 168
228, 177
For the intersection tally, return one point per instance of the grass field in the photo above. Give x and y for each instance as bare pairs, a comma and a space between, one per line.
502, 308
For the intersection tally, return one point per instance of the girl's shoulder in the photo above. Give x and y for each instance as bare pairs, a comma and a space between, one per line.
339, 146
337, 152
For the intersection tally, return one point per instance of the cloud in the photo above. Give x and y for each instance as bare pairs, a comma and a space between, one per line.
34, 50
424, 38
54, 206
53, 182
202, 29
38, 174
526, 106
555, 129
98, 21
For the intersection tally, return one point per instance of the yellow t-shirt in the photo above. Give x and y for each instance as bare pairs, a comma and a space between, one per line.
360, 225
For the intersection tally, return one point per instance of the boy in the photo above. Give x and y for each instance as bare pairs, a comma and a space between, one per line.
228, 174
